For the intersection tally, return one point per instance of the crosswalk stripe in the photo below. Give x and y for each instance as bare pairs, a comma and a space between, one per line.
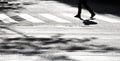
70, 16
30, 18
7, 19
105, 18
55, 18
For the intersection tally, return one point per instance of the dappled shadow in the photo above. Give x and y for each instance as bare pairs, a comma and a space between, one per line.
105, 48
28, 3
17, 18
57, 58
91, 48
13, 5
7, 28
30, 45
35, 46
10, 8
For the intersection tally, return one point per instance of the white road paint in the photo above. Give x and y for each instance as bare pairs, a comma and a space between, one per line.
30, 18
107, 19
70, 16
7, 19
55, 18
104, 17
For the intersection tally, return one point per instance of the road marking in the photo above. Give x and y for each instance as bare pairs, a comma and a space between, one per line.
55, 18
70, 16
108, 19
30, 18
7, 19
105, 18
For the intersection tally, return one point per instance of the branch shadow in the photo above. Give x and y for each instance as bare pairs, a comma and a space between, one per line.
8, 9
33, 46
58, 58
36, 46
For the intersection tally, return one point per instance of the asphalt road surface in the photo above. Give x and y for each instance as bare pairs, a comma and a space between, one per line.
40, 30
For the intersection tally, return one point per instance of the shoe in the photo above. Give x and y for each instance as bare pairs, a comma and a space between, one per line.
77, 16
92, 16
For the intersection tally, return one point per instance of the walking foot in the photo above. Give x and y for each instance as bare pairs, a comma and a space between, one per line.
77, 16
92, 16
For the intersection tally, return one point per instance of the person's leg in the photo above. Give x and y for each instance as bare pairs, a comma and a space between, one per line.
88, 8
79, 10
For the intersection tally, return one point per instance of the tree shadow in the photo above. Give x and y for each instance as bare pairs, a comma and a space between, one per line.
105, 49
58, 58
28, 3
35, 46
8, 9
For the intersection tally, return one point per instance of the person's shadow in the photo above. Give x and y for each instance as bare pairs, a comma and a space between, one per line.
88, 22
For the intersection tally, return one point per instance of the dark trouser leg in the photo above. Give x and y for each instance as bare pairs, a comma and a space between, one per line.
89, 9
79, 8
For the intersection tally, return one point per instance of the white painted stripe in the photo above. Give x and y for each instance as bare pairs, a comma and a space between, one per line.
70, 15
106, 18
7, 19
30, 18
14, 2
55, 18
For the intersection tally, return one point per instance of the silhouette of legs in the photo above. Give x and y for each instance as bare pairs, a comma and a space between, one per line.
88, 8
79, 10
84, 3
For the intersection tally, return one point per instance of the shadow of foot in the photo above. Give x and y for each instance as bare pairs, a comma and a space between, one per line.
88, 22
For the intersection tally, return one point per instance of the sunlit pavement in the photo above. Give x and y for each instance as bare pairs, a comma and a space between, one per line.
105, 34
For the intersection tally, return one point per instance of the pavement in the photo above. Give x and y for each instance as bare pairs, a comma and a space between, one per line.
42, 30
